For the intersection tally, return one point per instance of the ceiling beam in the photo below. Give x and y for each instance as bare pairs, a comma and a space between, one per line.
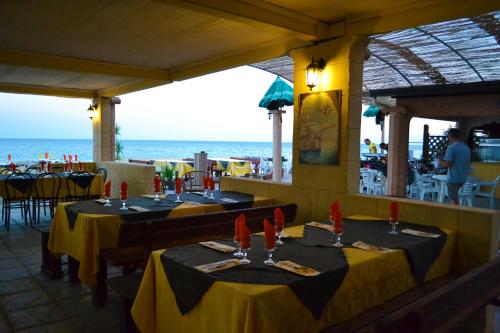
26, 59
48, 91
227, 61
260, 14
130, 87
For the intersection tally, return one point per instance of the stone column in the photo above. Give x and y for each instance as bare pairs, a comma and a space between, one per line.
103, 128
397, 168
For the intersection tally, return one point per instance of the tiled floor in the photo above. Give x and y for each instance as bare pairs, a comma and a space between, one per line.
32, 302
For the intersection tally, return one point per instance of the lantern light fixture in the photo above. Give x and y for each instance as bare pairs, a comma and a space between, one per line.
92, 111
312, 72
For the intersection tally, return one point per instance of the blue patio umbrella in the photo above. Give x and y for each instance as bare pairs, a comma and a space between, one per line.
278, 95
371, 111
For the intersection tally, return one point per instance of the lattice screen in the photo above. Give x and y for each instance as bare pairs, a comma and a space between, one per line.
437, 147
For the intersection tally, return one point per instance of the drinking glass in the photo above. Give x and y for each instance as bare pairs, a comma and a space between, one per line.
270, 260
108, 202
393, 223
244, 260
238, 253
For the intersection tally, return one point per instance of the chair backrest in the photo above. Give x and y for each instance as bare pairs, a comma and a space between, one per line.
469, 186
193, 180
18, 186
47, 186
78, 186
34, 169
367, 176
190, 229
103, 172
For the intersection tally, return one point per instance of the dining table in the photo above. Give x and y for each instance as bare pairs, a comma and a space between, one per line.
175, 296
96, 184
81, 229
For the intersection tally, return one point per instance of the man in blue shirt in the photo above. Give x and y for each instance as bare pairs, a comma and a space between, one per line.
457, 160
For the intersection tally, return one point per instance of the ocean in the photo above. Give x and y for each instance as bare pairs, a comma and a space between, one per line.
32, 149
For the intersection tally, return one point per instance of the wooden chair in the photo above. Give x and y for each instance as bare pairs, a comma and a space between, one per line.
193, 181
47, 187
18, 190
440, 305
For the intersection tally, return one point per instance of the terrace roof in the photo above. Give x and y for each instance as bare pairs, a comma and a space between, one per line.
460, 51
90, 48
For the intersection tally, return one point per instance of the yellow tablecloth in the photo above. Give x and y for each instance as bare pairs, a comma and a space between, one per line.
233, 167
93, 232
233, 307
96, 187
182, 167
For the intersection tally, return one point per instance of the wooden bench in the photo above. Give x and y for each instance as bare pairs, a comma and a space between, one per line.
438, 306
137, 240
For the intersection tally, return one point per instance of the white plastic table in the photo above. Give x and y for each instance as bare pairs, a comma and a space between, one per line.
443, 189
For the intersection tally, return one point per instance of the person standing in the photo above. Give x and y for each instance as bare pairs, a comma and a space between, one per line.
371, 145
457, 160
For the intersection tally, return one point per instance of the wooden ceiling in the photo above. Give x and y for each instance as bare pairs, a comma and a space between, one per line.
90, 48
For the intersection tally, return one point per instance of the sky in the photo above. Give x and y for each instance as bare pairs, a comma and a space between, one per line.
217, 107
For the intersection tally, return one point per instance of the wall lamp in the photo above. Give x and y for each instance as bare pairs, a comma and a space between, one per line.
312, 72
92, 111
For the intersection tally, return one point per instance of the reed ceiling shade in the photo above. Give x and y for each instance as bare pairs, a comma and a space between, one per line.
460, 51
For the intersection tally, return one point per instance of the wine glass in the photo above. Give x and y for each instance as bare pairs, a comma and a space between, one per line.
108, 202
157, 196
124, 203
244, 260
238, 253
270, 260
337, 237
178, 192
393, 221
279, 233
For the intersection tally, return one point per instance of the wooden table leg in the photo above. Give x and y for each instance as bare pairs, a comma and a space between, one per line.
73, 266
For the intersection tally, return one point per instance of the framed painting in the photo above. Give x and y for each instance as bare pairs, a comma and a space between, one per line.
319, 127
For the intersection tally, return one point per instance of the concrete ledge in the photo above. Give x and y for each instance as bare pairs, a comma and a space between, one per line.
138, 176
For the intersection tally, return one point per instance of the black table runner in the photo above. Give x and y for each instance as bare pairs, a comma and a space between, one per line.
157, 209
189, 285
421, 252
83, 181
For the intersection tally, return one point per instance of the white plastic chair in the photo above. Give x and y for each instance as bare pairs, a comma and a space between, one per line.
367, 179
425, 185
488, 194
379, 184
467, 192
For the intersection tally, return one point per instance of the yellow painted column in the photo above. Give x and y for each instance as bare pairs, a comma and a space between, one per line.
103, 128
343, 71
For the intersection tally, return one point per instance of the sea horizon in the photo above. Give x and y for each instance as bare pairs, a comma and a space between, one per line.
28, 149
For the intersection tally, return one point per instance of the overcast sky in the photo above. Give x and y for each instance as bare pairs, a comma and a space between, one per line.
220, 107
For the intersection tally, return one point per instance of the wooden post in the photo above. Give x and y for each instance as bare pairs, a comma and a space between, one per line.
397, 168
425, 147
277, 169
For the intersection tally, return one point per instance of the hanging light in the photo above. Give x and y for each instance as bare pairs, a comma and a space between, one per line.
91, 111
312, 72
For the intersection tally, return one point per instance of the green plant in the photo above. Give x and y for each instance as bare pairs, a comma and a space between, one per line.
167, 173
119, 147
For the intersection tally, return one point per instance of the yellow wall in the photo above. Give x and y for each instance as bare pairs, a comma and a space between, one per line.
138, 176
487, 171
478, 228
